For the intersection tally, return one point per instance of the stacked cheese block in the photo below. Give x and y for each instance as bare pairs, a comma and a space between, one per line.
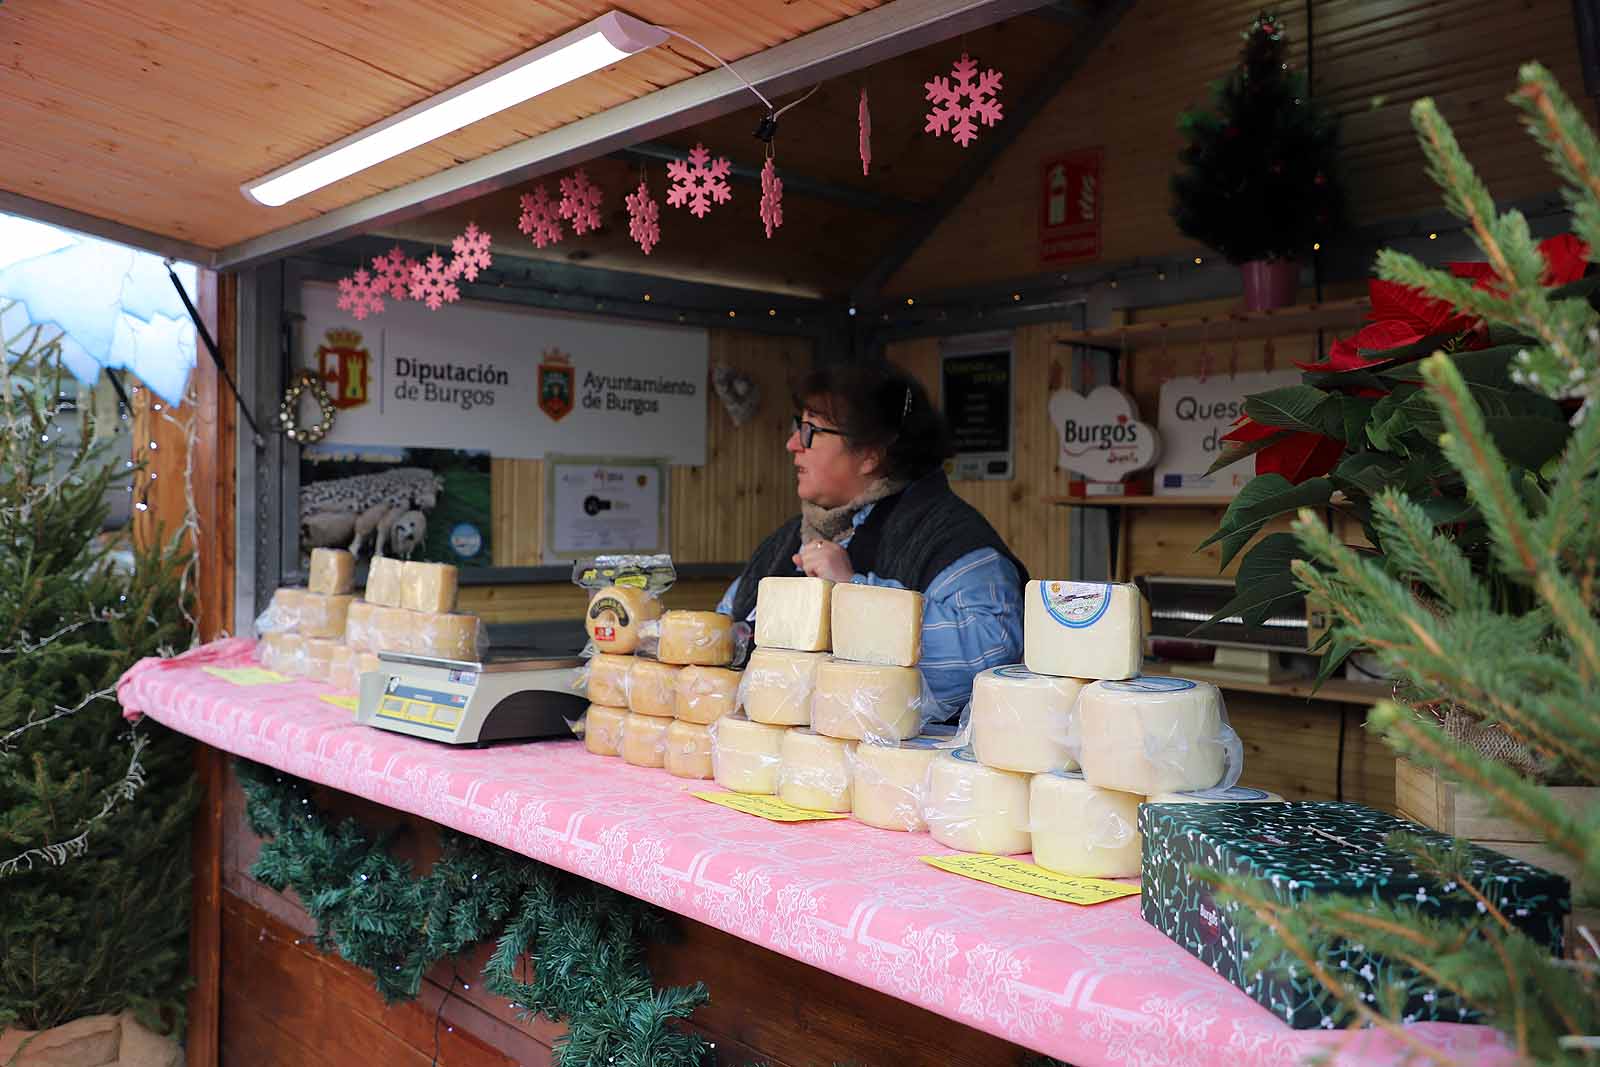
324, 632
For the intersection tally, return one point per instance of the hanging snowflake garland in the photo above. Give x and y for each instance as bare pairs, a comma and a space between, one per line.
433, 284
771, 197
644, 217
580, 202
360, 295
864, 125
471, 253
392, 274
699, 181
540, 220
949, 114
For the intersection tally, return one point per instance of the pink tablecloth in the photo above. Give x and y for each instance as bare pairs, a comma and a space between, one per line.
1093, 986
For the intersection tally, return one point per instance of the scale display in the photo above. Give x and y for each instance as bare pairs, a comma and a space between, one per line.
463, 703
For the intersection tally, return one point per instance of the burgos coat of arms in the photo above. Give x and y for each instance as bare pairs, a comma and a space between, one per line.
557, 384
345, 367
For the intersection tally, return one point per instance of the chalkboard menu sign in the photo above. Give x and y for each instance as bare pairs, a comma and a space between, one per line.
976, 387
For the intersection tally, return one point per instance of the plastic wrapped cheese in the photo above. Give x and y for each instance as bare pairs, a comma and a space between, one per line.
602, 730
324, 616
974, 808
745, 755
815, 772
794, 613
877, 624
457, 637
342, 669
867, 701
703, 638
283, 614
429, 587
644, 740
653, 688
608, 679
688, 750
1238, 794
706, 694
1083, 830
615, 615
333, 571
891, 780
1022, 721
383, 582
358, 625
319, 658
391, 630
1154, 734
366, 663
283, 651
777, 686
1083, 629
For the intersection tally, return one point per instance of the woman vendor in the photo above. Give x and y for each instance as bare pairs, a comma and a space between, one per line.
876, 509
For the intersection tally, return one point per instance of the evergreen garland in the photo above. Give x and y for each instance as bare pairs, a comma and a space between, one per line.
583, 943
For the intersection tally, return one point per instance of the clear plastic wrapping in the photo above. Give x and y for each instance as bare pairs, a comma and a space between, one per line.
777, 686
359, 623
706, 694
429, 587
695, 638
889, 784
284, 652
745, 755
1083, 830
1021, 721
282, 614
604, 679
688, 753
319, 658
815, 772
1155, 734
625, 592
867, 702
324, 616
457, 637
643, 741
342, 670
973, 808
602, 730
652, 688
383, 582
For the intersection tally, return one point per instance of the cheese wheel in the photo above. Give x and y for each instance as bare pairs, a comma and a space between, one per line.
795, 613
1022, 721
1152, 734
429, 587
615, 614
974, 808
688, 750
359, 621
745, 755
324, 616
865, 701
319, 658
1236, 794
283, 614
877, 624
653, 688
602, 730
706, 694
777, 686
457, 637
333, 571
1083, 629
383, 582
342, 669
1083, 830
608, 679
703, 638
891, 781
392, 630
815, 772
644, 740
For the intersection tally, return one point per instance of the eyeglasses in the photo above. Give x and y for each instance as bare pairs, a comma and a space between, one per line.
809, 430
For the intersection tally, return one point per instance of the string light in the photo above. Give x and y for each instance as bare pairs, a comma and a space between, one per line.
1433, 236
1316, 246
1198, 261
910, 301
647, 298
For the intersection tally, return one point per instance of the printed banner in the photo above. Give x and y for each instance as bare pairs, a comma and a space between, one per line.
508, 381
1194, 415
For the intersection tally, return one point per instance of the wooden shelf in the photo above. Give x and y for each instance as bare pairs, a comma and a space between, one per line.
1238, 325
1333, 691
1218, 502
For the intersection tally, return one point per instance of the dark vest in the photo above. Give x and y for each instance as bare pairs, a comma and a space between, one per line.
910, 537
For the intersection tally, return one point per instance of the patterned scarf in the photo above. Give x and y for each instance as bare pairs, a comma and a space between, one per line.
818, 523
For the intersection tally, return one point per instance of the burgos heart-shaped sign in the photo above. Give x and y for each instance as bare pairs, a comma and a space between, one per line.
1100, 435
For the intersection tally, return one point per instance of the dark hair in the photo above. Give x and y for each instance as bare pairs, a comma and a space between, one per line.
878, 405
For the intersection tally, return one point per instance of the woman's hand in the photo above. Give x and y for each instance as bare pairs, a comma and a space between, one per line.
824, 559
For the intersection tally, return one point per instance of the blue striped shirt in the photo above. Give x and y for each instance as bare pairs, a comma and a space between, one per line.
971, 620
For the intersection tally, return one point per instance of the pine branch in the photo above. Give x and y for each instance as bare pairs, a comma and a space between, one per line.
1569, 144
1416, 551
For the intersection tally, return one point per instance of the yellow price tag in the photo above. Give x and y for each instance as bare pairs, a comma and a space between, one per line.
1009, 873
348, 703
769, 808
246, 675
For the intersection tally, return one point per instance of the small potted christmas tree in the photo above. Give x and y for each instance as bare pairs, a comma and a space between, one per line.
1259, 183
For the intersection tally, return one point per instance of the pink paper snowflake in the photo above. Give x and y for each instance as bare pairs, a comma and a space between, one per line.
864, 123
433, 284
948, 108
471, 253
699, 181
359, 295
580, 202
771, 197
392, 274
539, 219
644, 217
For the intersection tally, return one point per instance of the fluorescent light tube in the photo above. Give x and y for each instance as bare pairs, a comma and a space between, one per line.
600, 43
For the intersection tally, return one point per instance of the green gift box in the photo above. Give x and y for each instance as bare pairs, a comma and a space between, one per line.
1308, 850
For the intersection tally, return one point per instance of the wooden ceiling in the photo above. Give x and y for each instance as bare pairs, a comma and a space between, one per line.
151, 115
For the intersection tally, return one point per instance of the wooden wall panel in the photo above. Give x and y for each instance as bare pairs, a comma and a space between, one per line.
1291, 747
1373, 59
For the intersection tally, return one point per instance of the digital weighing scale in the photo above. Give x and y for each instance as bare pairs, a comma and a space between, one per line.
465, 703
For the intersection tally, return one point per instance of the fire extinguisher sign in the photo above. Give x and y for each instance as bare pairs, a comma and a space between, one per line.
1071, 207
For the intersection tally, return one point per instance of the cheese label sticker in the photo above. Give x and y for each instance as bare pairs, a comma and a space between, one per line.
247, 675
1010, 873
1149, 683
1075, 604
770, 808
348, 703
